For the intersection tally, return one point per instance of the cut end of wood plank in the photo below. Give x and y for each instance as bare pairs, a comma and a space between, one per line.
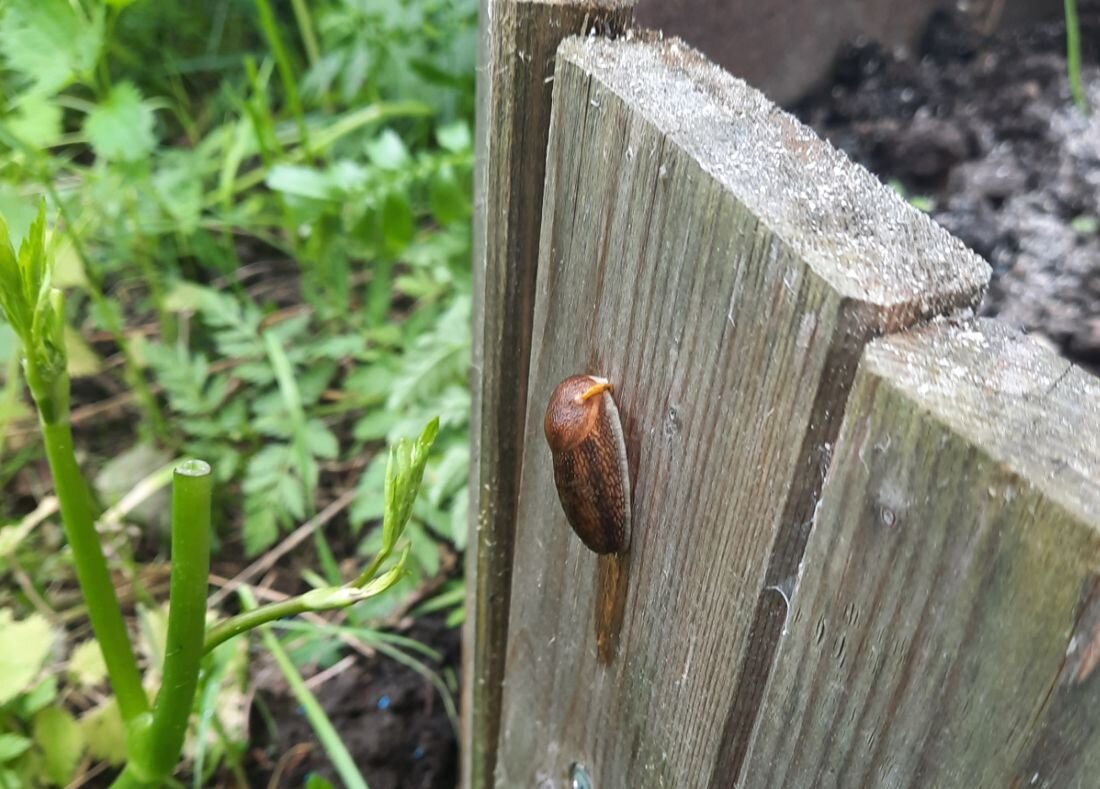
859, 235
1031, 410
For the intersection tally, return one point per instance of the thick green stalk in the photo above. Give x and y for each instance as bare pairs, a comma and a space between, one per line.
92, 572
186, 619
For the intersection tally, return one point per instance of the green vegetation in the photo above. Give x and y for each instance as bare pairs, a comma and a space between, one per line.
260, 258
1073, 55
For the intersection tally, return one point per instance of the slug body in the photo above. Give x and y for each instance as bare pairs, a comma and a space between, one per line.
590, 468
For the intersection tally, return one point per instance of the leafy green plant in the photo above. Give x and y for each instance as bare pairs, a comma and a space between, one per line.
155, 734
220, 238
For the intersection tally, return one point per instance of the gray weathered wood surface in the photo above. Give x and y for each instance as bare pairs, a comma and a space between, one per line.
724, 268
945, 629
516, 66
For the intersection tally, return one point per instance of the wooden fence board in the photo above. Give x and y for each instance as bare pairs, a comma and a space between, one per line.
945, 628
515, 72
724, 268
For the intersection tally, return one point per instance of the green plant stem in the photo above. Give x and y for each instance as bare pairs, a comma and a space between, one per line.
324, 599
1073, 55
91, 570
371, 569
326, 732
128, 779
282, 63
183, 652
315, 600
305, 29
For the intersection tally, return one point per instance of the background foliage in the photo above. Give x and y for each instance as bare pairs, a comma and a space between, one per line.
262, 215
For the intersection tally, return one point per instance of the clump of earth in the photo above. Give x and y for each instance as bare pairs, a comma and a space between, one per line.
982, 132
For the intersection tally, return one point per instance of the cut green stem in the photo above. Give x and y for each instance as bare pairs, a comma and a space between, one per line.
91, 570
186, 617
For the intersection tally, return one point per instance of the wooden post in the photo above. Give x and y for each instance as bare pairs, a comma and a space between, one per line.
945, 629
515, 73
724, 268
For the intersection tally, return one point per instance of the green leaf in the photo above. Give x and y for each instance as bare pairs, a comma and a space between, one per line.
68, 268
291, 496
183, 296
13, 746
102, 729
388, 151
86, 666
19, 667
50, 42
398, 223
373, 426
16, 210
59, 738
178, 183
424, 547
460, 521
121, 127
314, 781
321, 441
260, 529
82, 360
16, 306
36, 121
369, 503
300, 181
448, 199
41, 695
454, 137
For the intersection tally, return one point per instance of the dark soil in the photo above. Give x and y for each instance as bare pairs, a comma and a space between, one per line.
985, 129
389, 717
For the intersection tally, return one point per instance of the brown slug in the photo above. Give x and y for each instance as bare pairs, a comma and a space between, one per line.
590, 468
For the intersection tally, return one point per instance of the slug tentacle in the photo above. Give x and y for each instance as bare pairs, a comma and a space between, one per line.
586, 440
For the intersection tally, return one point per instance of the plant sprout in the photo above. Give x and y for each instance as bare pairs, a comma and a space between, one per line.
155, 733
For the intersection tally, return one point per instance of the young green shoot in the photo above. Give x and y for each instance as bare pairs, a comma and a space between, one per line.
36, 312
1073, 55
404, 472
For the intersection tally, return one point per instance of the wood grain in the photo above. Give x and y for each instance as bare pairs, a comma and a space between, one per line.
944, 624
724, 268
515, 73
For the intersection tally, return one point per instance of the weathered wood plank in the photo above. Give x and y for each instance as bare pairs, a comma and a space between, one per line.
724, 268
944, 626
515, 71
